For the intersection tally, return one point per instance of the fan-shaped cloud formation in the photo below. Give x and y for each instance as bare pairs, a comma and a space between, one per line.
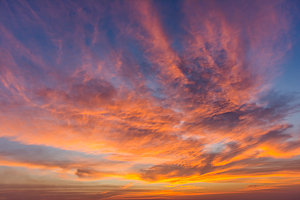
153, 95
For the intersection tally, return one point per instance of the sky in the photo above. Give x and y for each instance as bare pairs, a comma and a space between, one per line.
143, 99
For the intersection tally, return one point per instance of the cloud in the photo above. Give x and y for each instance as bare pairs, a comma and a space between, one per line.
49, 157
90, 94
146, 90
276, 134
265, 165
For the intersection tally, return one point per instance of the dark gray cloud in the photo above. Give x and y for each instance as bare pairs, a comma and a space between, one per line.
271, 109
93, 93
277, 134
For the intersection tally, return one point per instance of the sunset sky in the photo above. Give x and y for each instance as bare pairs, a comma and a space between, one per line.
140, 99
